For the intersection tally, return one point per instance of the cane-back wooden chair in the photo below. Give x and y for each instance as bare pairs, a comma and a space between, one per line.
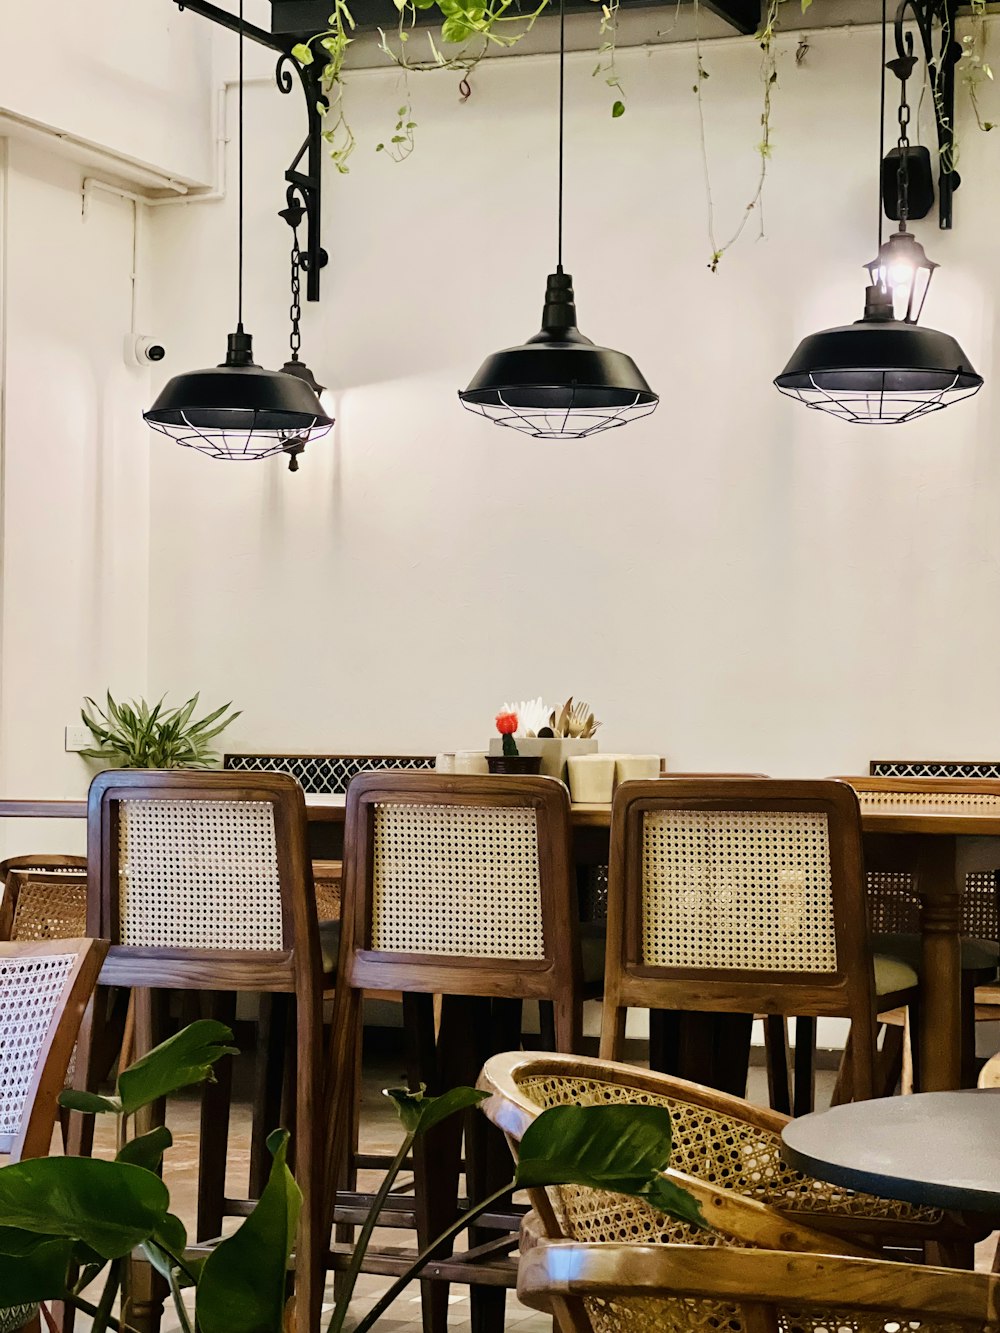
743, 897
44, 989
726, 1151
202, 882
459, 887
628, 1288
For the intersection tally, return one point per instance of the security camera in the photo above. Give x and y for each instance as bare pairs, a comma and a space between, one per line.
143, 351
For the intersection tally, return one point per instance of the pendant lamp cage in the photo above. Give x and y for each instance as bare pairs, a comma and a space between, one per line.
238, 411
559, 385
885, 369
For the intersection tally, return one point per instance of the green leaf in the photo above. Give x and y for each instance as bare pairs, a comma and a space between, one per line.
110, 1206
91, 1103
36, 1272
182, 1060
616, 1148
455, 30
618, 110
419, 1113
242, 1285
667, 1197
147, 1150
303, 53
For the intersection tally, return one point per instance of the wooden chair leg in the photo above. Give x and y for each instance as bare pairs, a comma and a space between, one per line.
487, 1157
890, 1060
612, 1029
777, 1054
664, 1041
732, 1053
213, 1137
546, 1026
804, 1090
970, 1066
269, 1075
144, 1292
312, 1242
436, 1156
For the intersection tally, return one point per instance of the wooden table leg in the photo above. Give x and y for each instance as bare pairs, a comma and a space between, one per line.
940, 978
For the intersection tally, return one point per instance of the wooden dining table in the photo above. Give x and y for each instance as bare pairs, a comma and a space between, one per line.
936, 845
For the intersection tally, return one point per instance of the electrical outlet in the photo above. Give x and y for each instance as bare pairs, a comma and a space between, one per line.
78, 738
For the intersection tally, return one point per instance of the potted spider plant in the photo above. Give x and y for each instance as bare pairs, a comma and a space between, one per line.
141, 735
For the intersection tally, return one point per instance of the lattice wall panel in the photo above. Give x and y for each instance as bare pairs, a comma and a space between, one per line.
748, 890
199, 875
933, 768
325, 775
457, 880
30, 991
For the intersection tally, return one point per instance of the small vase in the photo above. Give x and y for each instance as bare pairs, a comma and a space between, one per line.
514, 763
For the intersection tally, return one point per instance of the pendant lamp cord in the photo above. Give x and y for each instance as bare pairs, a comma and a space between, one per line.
881, 129
562, 103
240, 282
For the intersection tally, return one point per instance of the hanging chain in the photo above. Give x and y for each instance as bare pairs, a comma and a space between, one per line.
903, 169
295, 309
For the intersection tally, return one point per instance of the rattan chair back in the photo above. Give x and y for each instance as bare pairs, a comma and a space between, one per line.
742, 896
724, 1149
621, 1288
202, 880
44, 897
459, 885
44, 988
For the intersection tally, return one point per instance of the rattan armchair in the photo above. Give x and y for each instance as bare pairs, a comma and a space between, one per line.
44, 897
202, 882
725, 1150
623, 1288
44, 989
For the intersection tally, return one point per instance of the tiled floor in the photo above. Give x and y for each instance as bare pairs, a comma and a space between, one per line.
379, 1135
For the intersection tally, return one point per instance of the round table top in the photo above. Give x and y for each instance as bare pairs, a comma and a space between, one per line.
936, 1148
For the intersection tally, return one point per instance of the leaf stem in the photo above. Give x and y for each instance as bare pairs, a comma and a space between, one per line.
425, 1256
112, 1285
179, 1306
365, 1235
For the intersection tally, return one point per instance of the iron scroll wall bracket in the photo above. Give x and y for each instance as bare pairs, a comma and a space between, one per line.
935, 22
304, 174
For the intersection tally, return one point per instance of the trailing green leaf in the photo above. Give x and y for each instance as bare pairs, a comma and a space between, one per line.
242, 1285
176, 1063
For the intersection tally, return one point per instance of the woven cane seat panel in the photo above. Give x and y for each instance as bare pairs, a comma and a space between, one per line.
30, 992
932, 800
689, 1314
199, 875
50, 910
717, 1148
746, 890
457, 880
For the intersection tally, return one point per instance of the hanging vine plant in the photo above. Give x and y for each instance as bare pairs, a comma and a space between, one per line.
469, 29
473, 26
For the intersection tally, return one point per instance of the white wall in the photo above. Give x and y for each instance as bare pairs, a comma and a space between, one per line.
734, 581
132, 78
75, 519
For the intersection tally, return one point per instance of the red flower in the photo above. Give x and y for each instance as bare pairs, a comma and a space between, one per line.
506, 723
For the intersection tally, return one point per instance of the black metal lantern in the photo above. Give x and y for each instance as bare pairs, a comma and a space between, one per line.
902, 269
237, 410
559, 385
885, 369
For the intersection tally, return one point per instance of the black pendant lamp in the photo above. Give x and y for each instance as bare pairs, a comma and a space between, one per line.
559, 385
238, 410
885, 368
